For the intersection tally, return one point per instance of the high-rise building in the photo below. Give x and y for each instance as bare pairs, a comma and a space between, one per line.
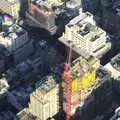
41, 15
83, 75
14, 38
11, 7
114, 66
85, 37
44, 101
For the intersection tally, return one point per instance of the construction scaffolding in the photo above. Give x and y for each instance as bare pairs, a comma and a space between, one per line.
83, 75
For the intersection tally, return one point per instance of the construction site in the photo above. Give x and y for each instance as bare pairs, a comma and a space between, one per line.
90, 87
84, 84
82, 75
57, 73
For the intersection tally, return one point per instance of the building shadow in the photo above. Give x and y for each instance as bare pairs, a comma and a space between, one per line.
91, 6
63, 19
33, 29
106, 100
23, 8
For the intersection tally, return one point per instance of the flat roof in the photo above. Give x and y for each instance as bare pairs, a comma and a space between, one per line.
75, 49
83, 26
114, 72
115, 62
13, 32
46, 84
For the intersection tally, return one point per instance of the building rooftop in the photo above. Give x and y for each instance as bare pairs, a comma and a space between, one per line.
85, 26
46, 84
13, 32
24, 114
54, 2
82, 29
3, 86
48, 3
103, 73
114, 66
81, 67
73, 3
11, 2
115, 62
41, 6
115, 73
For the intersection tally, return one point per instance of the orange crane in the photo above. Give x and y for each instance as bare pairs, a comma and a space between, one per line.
68, 82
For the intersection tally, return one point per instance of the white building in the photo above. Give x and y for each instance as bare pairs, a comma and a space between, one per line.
114, 67
3, 87
14, 38
54, 2
11, 7
44, 101
74, 3
86, 38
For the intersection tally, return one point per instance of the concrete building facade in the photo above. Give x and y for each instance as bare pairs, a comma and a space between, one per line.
114, 66
11, 7
44, 101
14, 38
85, 37
42, 16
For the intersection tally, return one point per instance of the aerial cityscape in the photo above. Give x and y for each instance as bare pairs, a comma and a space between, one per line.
59, 59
